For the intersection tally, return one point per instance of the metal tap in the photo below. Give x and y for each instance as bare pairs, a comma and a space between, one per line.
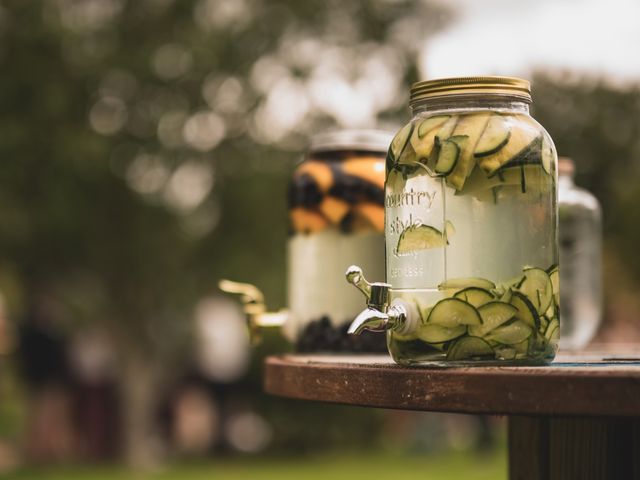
379, 315
254, 307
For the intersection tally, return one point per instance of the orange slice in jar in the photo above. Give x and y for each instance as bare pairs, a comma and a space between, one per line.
319, 171
307, 221
334, 209
372, 213
370, 169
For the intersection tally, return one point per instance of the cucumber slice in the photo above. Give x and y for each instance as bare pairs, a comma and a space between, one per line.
518, 147
474, 296
460, 283
554, 276
554, 336
544, 323
423, 312
420, 237
512, 333
547, 154
472, 127
526, 311
439, 334
429, 124
493, 314
553, 325
446, 130
447, 157
495, 136
400, 141
506, 296
531, 155
423, 144
468, 348
410, 337
522, 348
451, 312
538, 288
504, 352
449, 230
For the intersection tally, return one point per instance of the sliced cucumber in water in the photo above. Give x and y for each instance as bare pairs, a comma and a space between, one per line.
472, 127
526, 311
420, 237
506, 296
429, 124
544, 323
400, 141
554, 276
520, 144
495, 136
424, 140
449, 230
475, 296
468, 348
553, 325
452, 312
439, 334
512, 333
493, 315
547, 154
448, 156
460, 283
538, 288
504, 352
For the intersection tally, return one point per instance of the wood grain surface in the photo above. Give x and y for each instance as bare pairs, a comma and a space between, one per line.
597, 383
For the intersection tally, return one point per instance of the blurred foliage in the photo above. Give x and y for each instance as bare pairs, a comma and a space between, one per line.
593, 123
146, 149
596, 125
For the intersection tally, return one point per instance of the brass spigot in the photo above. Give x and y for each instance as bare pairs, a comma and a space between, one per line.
380, 316
254, 307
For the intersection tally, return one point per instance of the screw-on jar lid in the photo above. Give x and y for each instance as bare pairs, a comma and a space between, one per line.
367, 140
470, 85
566, 166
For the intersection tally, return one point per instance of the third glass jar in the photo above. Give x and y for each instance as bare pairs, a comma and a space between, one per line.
470, 225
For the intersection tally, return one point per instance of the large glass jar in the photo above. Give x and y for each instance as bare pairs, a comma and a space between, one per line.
336, 210
580, 233
470, 212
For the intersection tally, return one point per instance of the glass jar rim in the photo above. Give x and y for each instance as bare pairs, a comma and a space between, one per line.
455, 86
351, 139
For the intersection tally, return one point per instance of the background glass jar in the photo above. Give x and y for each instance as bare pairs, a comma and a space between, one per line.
336, 211
580, 233
470, 207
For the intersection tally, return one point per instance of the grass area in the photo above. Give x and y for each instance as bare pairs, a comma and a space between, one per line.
451, 466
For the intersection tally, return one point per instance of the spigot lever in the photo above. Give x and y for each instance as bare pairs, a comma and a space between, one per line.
356, 278
379, 316
254, 307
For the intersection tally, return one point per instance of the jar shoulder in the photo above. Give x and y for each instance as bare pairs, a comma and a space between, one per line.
578, 198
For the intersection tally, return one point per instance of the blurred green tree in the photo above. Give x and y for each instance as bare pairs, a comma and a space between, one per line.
595, 124
145, 150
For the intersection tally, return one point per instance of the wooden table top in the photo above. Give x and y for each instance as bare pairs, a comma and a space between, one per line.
594, 383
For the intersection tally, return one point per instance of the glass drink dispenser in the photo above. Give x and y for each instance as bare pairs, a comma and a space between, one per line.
580, 234
470, 228
336, 213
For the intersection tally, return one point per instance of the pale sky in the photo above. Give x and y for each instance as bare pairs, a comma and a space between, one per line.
512, 37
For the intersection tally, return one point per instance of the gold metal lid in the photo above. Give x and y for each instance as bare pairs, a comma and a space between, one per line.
443, 87
351, 139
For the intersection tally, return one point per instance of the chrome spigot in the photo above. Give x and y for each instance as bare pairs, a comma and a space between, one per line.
254, 307
379, 316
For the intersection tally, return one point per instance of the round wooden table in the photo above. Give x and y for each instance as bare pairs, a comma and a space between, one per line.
578, 418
